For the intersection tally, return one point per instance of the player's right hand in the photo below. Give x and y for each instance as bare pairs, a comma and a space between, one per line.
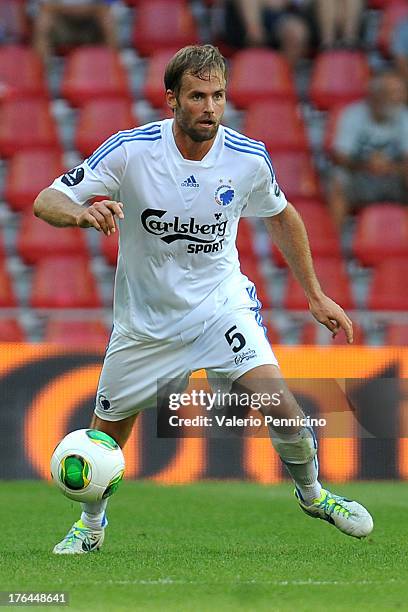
101, 216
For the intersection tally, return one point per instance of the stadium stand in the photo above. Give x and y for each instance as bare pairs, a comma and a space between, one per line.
323, 236
393, 13
94, 72
313, 333
37, 240
258, 75
11, 331
338, 77
389, 289
333, 117
334, 280
397, 334
28, 173
21, 72
13, 19
296, 173
381, 232
75, 333
26, 123
64, 282
7, 295
153, 82
278, 123
99, 119
53, 116
157, 27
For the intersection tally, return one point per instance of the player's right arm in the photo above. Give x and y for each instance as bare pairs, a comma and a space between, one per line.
57, 209
68, 201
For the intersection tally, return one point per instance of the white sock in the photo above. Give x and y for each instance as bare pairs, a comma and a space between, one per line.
93, 514
294, 450
305, 476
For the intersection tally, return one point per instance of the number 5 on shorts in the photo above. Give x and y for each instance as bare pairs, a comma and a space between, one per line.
237, 338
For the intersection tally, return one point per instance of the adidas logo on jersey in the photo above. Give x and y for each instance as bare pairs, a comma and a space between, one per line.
190, 182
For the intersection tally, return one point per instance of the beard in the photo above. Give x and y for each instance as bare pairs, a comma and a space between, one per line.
199, 133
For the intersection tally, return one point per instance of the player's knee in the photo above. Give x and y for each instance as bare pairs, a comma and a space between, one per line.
299, 448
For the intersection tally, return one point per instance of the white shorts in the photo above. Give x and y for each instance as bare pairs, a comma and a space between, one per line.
228, 345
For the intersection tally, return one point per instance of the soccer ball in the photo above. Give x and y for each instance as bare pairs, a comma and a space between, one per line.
87, 465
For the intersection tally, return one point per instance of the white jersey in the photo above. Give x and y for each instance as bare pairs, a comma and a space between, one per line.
177, 261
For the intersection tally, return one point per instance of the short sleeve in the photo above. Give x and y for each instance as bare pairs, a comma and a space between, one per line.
266, 198
99, 175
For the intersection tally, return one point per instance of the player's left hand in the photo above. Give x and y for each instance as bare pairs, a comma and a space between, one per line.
330, 314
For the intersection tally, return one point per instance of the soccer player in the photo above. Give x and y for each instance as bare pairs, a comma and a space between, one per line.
177, 189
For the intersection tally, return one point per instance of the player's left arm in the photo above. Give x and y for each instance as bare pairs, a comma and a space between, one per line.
289, 234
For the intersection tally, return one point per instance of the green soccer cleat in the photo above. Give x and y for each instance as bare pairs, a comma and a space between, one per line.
347, 515
81, 539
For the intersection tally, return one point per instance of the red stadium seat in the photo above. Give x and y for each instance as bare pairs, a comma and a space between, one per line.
313, 333
99, 119
397, 334
161, 25
260, 74
278, 123
296, 175
26, 124
153, 89
21, 72
394, 13
339, 77
7, 296
389, 288
64, 282
381, 232
323, 236
38, 240
13, 19
94, 72
251, 268
76, 333
28, 173
334, 280
11, 331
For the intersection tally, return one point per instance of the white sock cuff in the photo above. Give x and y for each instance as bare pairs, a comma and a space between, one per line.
297, 448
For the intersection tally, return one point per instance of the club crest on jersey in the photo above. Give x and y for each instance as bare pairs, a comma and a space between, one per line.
224, 194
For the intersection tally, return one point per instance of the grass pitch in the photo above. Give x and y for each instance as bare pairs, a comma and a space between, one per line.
210, 546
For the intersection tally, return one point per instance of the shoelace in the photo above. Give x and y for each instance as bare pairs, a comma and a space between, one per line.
331, 506
75, 534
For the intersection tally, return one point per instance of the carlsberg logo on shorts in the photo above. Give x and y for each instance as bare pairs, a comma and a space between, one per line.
205, 236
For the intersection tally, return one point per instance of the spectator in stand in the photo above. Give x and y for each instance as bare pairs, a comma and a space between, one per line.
371, 149
281, 24
68, 23
339, 22
399, 48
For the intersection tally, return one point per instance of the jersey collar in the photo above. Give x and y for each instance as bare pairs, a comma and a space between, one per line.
208, 161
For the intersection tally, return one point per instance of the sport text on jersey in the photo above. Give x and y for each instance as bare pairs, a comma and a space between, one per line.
206, 236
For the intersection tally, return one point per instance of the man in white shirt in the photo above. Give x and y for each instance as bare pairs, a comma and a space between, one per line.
177, 189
